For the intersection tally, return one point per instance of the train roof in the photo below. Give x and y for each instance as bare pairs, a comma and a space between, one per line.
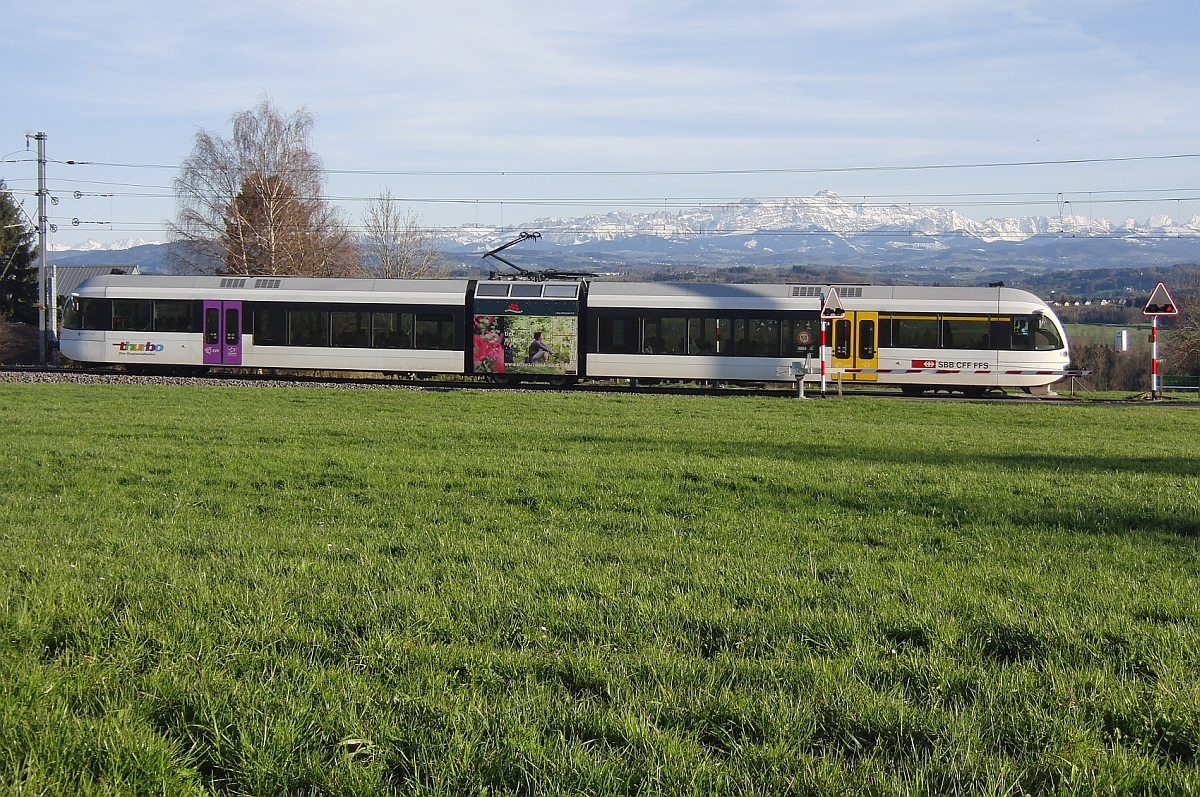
767, 296
267, 288
791, 296
799, 290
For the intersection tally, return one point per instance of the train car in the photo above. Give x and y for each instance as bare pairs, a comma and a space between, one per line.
268, 322
920, 338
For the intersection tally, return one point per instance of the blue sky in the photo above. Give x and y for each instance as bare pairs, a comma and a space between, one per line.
618, 86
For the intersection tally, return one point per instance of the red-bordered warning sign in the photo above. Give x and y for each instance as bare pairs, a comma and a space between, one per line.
1161, 302
832, 307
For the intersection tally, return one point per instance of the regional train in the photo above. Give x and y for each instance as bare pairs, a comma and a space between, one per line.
563, 330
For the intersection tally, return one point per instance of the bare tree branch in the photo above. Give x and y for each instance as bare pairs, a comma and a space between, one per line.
1181, 352
252, 204
395, 245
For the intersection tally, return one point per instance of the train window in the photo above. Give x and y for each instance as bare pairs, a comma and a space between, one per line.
1045, 335
707, 335
1021, 338
391, 330
915, 332
617, 335
308, 328
756, 337
801, 337
1001, 333
966, 333
173, 315
270, 326
73, 313
132, 315
525, 290
560, 291
885, 332
866, 340
664, 336
212, 325
351, 329
841, 338
492, 289
435, 330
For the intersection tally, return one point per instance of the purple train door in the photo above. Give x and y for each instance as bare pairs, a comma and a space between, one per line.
212, 333
231, 351
222, 333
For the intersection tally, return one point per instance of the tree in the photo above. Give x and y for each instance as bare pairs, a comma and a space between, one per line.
18, 263
252, 204
395, 245
1181, 351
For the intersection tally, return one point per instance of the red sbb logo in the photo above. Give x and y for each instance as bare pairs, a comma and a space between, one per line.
924, 363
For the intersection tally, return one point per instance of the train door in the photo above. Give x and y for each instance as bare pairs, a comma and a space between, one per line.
222, 333
841, 344
866, 351
855, 344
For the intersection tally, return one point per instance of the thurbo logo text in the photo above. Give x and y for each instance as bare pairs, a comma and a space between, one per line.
144, 347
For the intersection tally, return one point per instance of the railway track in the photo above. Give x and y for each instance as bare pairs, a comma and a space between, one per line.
16, 373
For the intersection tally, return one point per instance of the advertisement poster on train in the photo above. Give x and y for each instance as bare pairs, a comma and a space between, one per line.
526, 344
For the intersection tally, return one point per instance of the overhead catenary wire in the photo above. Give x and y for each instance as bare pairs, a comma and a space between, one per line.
682, 172
905, 198
975, 199
1018, 200
1080, 233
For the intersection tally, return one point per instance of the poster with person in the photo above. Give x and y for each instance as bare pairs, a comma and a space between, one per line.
526, 344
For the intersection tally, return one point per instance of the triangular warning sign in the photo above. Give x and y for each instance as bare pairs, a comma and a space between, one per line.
831, 307
1160, 302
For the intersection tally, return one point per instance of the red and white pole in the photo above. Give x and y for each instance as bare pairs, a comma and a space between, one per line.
824, 353
1154, 357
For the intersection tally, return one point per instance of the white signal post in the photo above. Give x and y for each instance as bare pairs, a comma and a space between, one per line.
1159, 304
831, 308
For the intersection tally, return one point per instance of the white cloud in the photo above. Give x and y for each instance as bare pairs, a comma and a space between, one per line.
622, 85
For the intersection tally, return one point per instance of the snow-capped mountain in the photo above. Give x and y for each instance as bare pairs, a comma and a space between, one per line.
890, 226
820, 229
92, 245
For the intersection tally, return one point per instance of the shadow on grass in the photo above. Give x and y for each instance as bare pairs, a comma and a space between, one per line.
906, 492
820, 449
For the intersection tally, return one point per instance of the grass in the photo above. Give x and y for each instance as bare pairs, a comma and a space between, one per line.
267, 591
1106, 333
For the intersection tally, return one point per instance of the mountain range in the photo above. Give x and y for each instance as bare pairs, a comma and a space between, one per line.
820, 230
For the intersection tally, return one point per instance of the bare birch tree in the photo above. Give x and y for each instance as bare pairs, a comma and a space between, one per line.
395, 245
1182, 349
252, 204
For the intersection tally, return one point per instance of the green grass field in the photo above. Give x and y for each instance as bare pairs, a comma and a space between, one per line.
1105, 334
355, 592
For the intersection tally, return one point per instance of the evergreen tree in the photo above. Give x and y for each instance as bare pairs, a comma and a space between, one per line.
18, 263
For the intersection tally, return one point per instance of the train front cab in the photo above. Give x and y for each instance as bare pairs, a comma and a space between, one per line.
854, 344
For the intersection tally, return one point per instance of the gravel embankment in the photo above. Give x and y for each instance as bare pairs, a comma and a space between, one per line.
36, 377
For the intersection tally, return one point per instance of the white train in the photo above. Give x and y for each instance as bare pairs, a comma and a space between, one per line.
920, 338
